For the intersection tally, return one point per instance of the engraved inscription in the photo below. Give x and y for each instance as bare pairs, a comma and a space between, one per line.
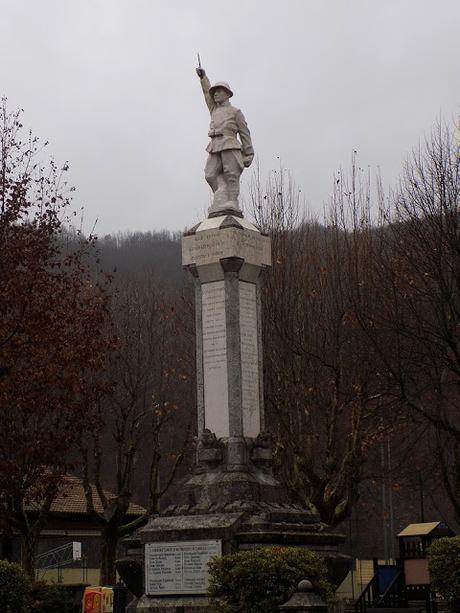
211, 245
249, 359
252, 245
179, 567
215, 358
206, 245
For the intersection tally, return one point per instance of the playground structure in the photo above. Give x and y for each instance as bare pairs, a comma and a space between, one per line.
405, 584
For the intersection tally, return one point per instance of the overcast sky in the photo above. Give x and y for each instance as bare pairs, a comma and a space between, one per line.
112, 85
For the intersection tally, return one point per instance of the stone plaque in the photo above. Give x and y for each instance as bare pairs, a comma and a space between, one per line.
215, 358
179, 567
249, 359
211, 245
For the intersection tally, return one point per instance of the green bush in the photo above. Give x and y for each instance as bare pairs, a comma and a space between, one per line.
14, 589
51, 599
260, 580
444, 562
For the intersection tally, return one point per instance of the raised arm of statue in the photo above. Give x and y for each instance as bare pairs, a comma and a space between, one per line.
205, 86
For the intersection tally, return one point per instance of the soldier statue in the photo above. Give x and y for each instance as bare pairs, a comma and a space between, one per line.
228, 156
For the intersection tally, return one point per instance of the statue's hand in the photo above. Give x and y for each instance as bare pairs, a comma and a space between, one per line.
247, 160
200, 72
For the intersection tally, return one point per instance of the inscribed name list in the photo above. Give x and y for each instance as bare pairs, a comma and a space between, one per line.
249, 359
179, 567
215, 376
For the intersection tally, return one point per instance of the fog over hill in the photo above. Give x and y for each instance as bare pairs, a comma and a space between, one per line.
156, 253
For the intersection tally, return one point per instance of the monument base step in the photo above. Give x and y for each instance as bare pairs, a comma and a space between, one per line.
172, 604
396, 610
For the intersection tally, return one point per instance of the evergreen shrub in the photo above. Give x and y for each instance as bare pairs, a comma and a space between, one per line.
14, 589
444, 564
260, 580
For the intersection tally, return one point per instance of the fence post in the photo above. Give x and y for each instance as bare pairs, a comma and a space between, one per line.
119, 598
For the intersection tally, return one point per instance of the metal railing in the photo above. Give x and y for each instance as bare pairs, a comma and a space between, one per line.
57, 558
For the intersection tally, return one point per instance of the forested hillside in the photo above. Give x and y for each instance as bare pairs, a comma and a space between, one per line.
155, 253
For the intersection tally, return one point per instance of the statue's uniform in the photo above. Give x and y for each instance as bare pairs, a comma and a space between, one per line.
226, 153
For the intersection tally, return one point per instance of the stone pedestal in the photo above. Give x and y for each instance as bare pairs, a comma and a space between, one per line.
231, 496
226, 255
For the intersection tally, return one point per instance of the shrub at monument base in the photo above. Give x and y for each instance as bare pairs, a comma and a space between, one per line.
444, 560
51, 599
260, 580
14, 589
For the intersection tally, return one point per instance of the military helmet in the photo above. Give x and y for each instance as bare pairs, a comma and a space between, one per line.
220, 84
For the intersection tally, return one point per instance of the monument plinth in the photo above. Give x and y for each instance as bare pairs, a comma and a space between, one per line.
226, 255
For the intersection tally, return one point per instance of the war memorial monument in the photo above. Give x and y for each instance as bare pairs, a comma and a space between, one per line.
230, 500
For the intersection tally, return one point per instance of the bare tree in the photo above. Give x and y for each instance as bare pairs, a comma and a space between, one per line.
143, 433
321, 381
417, 288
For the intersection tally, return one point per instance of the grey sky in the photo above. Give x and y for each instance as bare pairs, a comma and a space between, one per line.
112, 85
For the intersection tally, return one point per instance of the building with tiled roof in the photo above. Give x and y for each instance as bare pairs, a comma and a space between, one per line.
69, 521
71, 500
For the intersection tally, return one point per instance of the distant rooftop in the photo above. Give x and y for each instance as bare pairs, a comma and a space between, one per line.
71, 499
419, 529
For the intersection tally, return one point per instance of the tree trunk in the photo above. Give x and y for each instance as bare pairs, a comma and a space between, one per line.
7, 545
109, 544
28, 555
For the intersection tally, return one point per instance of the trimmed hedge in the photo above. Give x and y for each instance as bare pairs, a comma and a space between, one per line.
260, 580
444, 564
14, 589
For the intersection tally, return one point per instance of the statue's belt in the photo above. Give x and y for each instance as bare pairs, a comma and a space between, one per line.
214, 134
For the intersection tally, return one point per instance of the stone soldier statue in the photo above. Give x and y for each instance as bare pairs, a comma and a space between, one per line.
228, 156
